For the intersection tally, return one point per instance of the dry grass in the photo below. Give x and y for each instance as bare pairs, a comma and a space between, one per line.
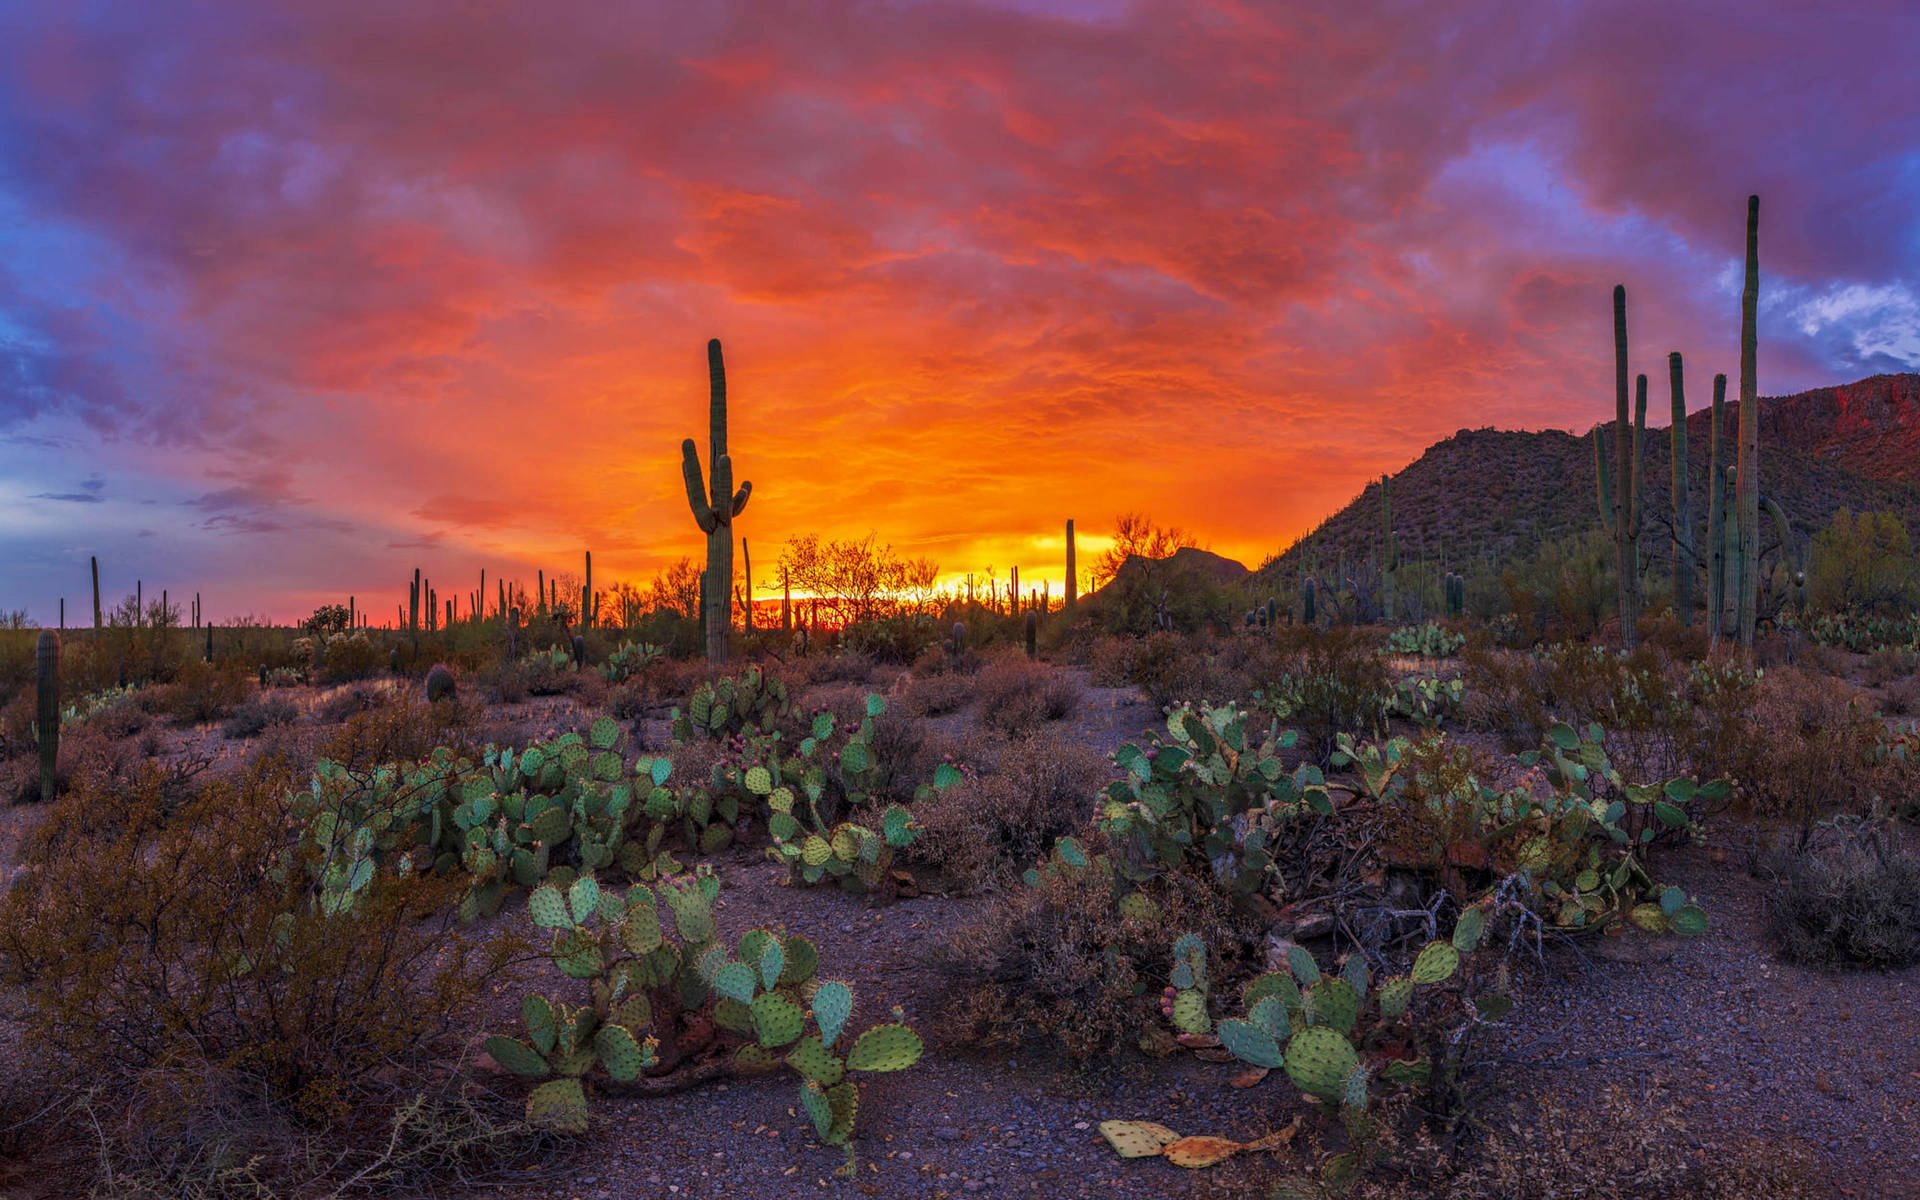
985, 831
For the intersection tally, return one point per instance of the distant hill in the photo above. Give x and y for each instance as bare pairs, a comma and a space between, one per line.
1490, 495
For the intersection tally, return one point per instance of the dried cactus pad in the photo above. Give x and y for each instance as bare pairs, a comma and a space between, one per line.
1194, 1152
1137, 1139
885, 1048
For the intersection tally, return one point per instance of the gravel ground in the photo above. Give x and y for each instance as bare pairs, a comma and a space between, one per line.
1747, 1044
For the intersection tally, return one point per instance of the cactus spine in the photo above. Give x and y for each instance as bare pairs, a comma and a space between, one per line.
1682, 498
46, 724
1747, 480
714, 512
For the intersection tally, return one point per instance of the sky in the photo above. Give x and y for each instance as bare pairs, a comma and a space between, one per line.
297, 297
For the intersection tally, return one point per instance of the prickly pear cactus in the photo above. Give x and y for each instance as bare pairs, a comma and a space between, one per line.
667, 995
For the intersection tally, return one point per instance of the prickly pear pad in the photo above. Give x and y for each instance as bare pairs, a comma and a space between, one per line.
885, 1048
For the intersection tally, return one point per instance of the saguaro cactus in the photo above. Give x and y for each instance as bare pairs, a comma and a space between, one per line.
96, 590
1717, 516
1602, 475
1747, 481
1682, 497
714, 511
1073, 583
46, 723
746, 584
1630, 442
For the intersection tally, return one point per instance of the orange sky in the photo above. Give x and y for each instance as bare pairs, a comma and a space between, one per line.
298, 297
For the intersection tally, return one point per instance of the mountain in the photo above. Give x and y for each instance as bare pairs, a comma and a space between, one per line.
1489, 495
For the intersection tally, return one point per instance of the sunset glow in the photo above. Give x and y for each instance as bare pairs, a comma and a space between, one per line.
298, 297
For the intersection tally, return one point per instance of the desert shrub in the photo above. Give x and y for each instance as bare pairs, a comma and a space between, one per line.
1059, 964
1849, 904
994, 825
400, 728
1808, 742
351, 657
342, 704
202, 692
1328, 682
182, 962
253, 717
936, 694
1901, 697
1110, 661
1890, 663
901, 638
1018, 696
1864, 564
1610, 1144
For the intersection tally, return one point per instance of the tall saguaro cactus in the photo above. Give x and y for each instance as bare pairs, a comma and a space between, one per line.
96, 590
1717, 516
1073, 583
714, 511
1629, 443
1682, 497
1747, 480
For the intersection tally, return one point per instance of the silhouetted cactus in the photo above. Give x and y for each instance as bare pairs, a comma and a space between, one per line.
1306, 601
1716, 516
1747, 479
1073, 581
96, 591
579, 651
1033, 633
715, 510
46, 724
439, 683
1682, 496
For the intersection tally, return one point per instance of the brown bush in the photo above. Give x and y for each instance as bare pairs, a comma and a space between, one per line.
1110, 661
202, 692
988, 829
1057, 965
936, 694
177, 972
1616, 1145
1846, 905
401, 727
1888, 664
1018, 696
1806, 750
1327, 682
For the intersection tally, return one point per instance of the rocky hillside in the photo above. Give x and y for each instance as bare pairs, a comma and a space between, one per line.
1487, 494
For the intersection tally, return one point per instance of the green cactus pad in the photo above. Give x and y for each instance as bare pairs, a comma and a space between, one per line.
1468, 930
1270, 1014
1334, 1003
758, 780
1436, 963
548, 908
1356, 1092
1403, 1071
692, 913
577, 953
1319, 1060
640, 933
538, 1015
832, 1005
1277, 984
1354, 971
1300, 962
896, 825
636, 1012
559, 1106
551, 826
603, 733
736, 981
583, 898
1689, 921
624, 1055
832, 1119
518, 1057
802, 960
1189, 1011
1250, 1043
1138, 906
776, 1020
814, 1061
755, 1059
1395, 994
815, 851
885, 1048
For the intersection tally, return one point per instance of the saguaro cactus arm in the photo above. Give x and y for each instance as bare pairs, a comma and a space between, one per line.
696, 487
